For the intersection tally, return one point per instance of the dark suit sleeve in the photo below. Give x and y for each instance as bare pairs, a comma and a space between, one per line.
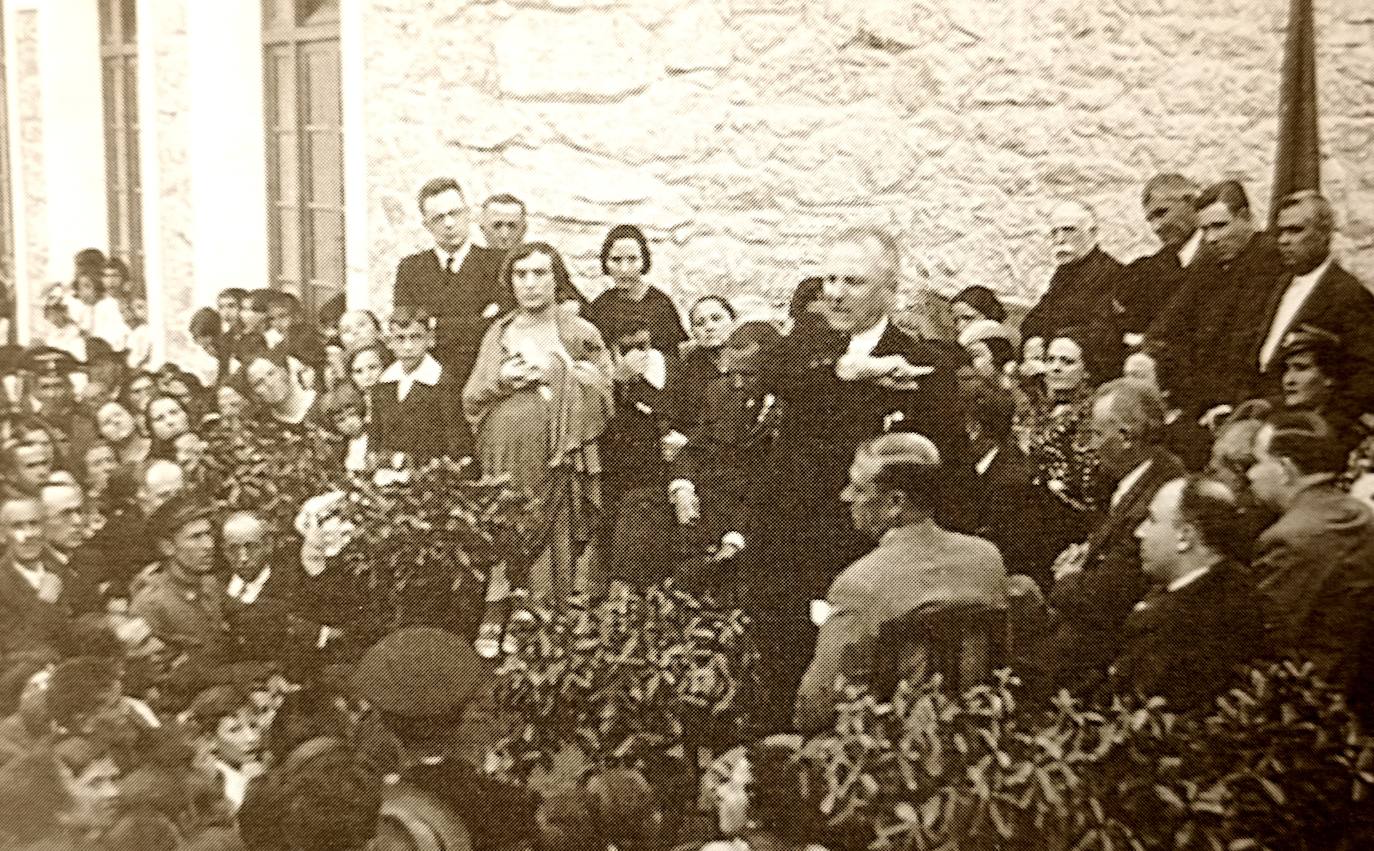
406, 283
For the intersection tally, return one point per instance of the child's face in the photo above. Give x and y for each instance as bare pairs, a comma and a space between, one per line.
366, 370
136, 312
349, 422
228, 311
410, 342
238, 737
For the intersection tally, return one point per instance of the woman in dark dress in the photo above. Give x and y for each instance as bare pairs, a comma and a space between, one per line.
631, 301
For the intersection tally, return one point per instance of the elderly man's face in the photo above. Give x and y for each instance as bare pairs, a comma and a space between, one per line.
503, 225
447, 219
1268, 476
21, 525
160, 484
1172, 216
64, 517
1224, 233
857, 288
1303, 242
1072, 233
245, 545
269, 382
1109, 437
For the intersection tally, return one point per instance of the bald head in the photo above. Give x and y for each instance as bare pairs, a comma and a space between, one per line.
161, 480
245, 543
1073, 231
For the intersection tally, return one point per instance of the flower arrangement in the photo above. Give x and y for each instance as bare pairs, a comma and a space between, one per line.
633, 680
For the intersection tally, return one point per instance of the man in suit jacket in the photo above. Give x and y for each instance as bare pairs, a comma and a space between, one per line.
1098, 583
456, 282
1315, 566
892, 496
33, 613
1201, 618
1148, 282
1080, 291
1205, 340
1314, 290
837, 385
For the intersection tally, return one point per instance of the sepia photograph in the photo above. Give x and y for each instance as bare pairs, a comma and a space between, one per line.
686, 425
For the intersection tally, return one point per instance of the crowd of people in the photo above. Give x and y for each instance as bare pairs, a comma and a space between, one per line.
1161, 472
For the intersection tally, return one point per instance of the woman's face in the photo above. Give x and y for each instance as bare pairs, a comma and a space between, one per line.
964, 315
1304, 384
711, 324
366, 369
33, 459
625, 261
533, 282
100, 463
732, 804
238, 738
114, 423
1064, 370
167, 420
230, 402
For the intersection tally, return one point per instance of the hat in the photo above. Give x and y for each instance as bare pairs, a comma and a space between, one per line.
988, 329
1307, 338
418, 672
175, 513
46, 360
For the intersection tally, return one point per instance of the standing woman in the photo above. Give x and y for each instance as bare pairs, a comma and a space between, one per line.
632, 301
538, 399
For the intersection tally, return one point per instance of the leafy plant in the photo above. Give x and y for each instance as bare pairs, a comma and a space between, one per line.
1278, 765
633, 679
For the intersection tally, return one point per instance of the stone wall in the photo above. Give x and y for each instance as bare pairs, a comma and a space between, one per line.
738, 131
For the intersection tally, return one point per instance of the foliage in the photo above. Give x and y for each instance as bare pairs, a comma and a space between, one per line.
420, 542
1277, 765
267, 467
632, 679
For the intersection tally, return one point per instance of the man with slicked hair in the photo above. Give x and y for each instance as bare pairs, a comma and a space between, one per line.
455, 281
892, 494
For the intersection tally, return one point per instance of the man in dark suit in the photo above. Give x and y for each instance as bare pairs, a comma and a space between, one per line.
455, 281
1098, 582
1201, 618
1205, 340
33, 612
838, 385
1314, 290
993, 494
1315, 566
64, 530
1149, 281
1081, 289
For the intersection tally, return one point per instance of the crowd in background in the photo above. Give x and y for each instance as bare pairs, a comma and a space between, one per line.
1161, 471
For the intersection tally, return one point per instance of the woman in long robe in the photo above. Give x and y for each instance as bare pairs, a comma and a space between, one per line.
538, 399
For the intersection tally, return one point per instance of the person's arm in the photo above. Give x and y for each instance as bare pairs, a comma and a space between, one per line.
844, 647
485, 386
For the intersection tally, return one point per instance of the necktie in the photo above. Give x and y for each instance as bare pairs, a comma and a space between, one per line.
448, 265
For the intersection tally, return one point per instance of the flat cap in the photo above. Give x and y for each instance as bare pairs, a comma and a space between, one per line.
46, 360
419, 672
175, 513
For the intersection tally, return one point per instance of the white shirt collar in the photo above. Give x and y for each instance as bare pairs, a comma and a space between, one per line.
1188, 578
458, 256
33, 576
1189, 249
427, 373
864, 342
986, 461
1290, 304
1129, 481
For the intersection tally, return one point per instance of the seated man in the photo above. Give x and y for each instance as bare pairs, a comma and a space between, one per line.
34, 612
916, 564
1098, 582
1315, 566
1202, 617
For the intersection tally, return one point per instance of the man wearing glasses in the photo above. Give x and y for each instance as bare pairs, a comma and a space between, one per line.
456, 282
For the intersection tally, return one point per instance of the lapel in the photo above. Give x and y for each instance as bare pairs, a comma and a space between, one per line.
1129, 510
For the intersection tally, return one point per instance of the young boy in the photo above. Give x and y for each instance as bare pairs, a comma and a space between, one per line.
417, 404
